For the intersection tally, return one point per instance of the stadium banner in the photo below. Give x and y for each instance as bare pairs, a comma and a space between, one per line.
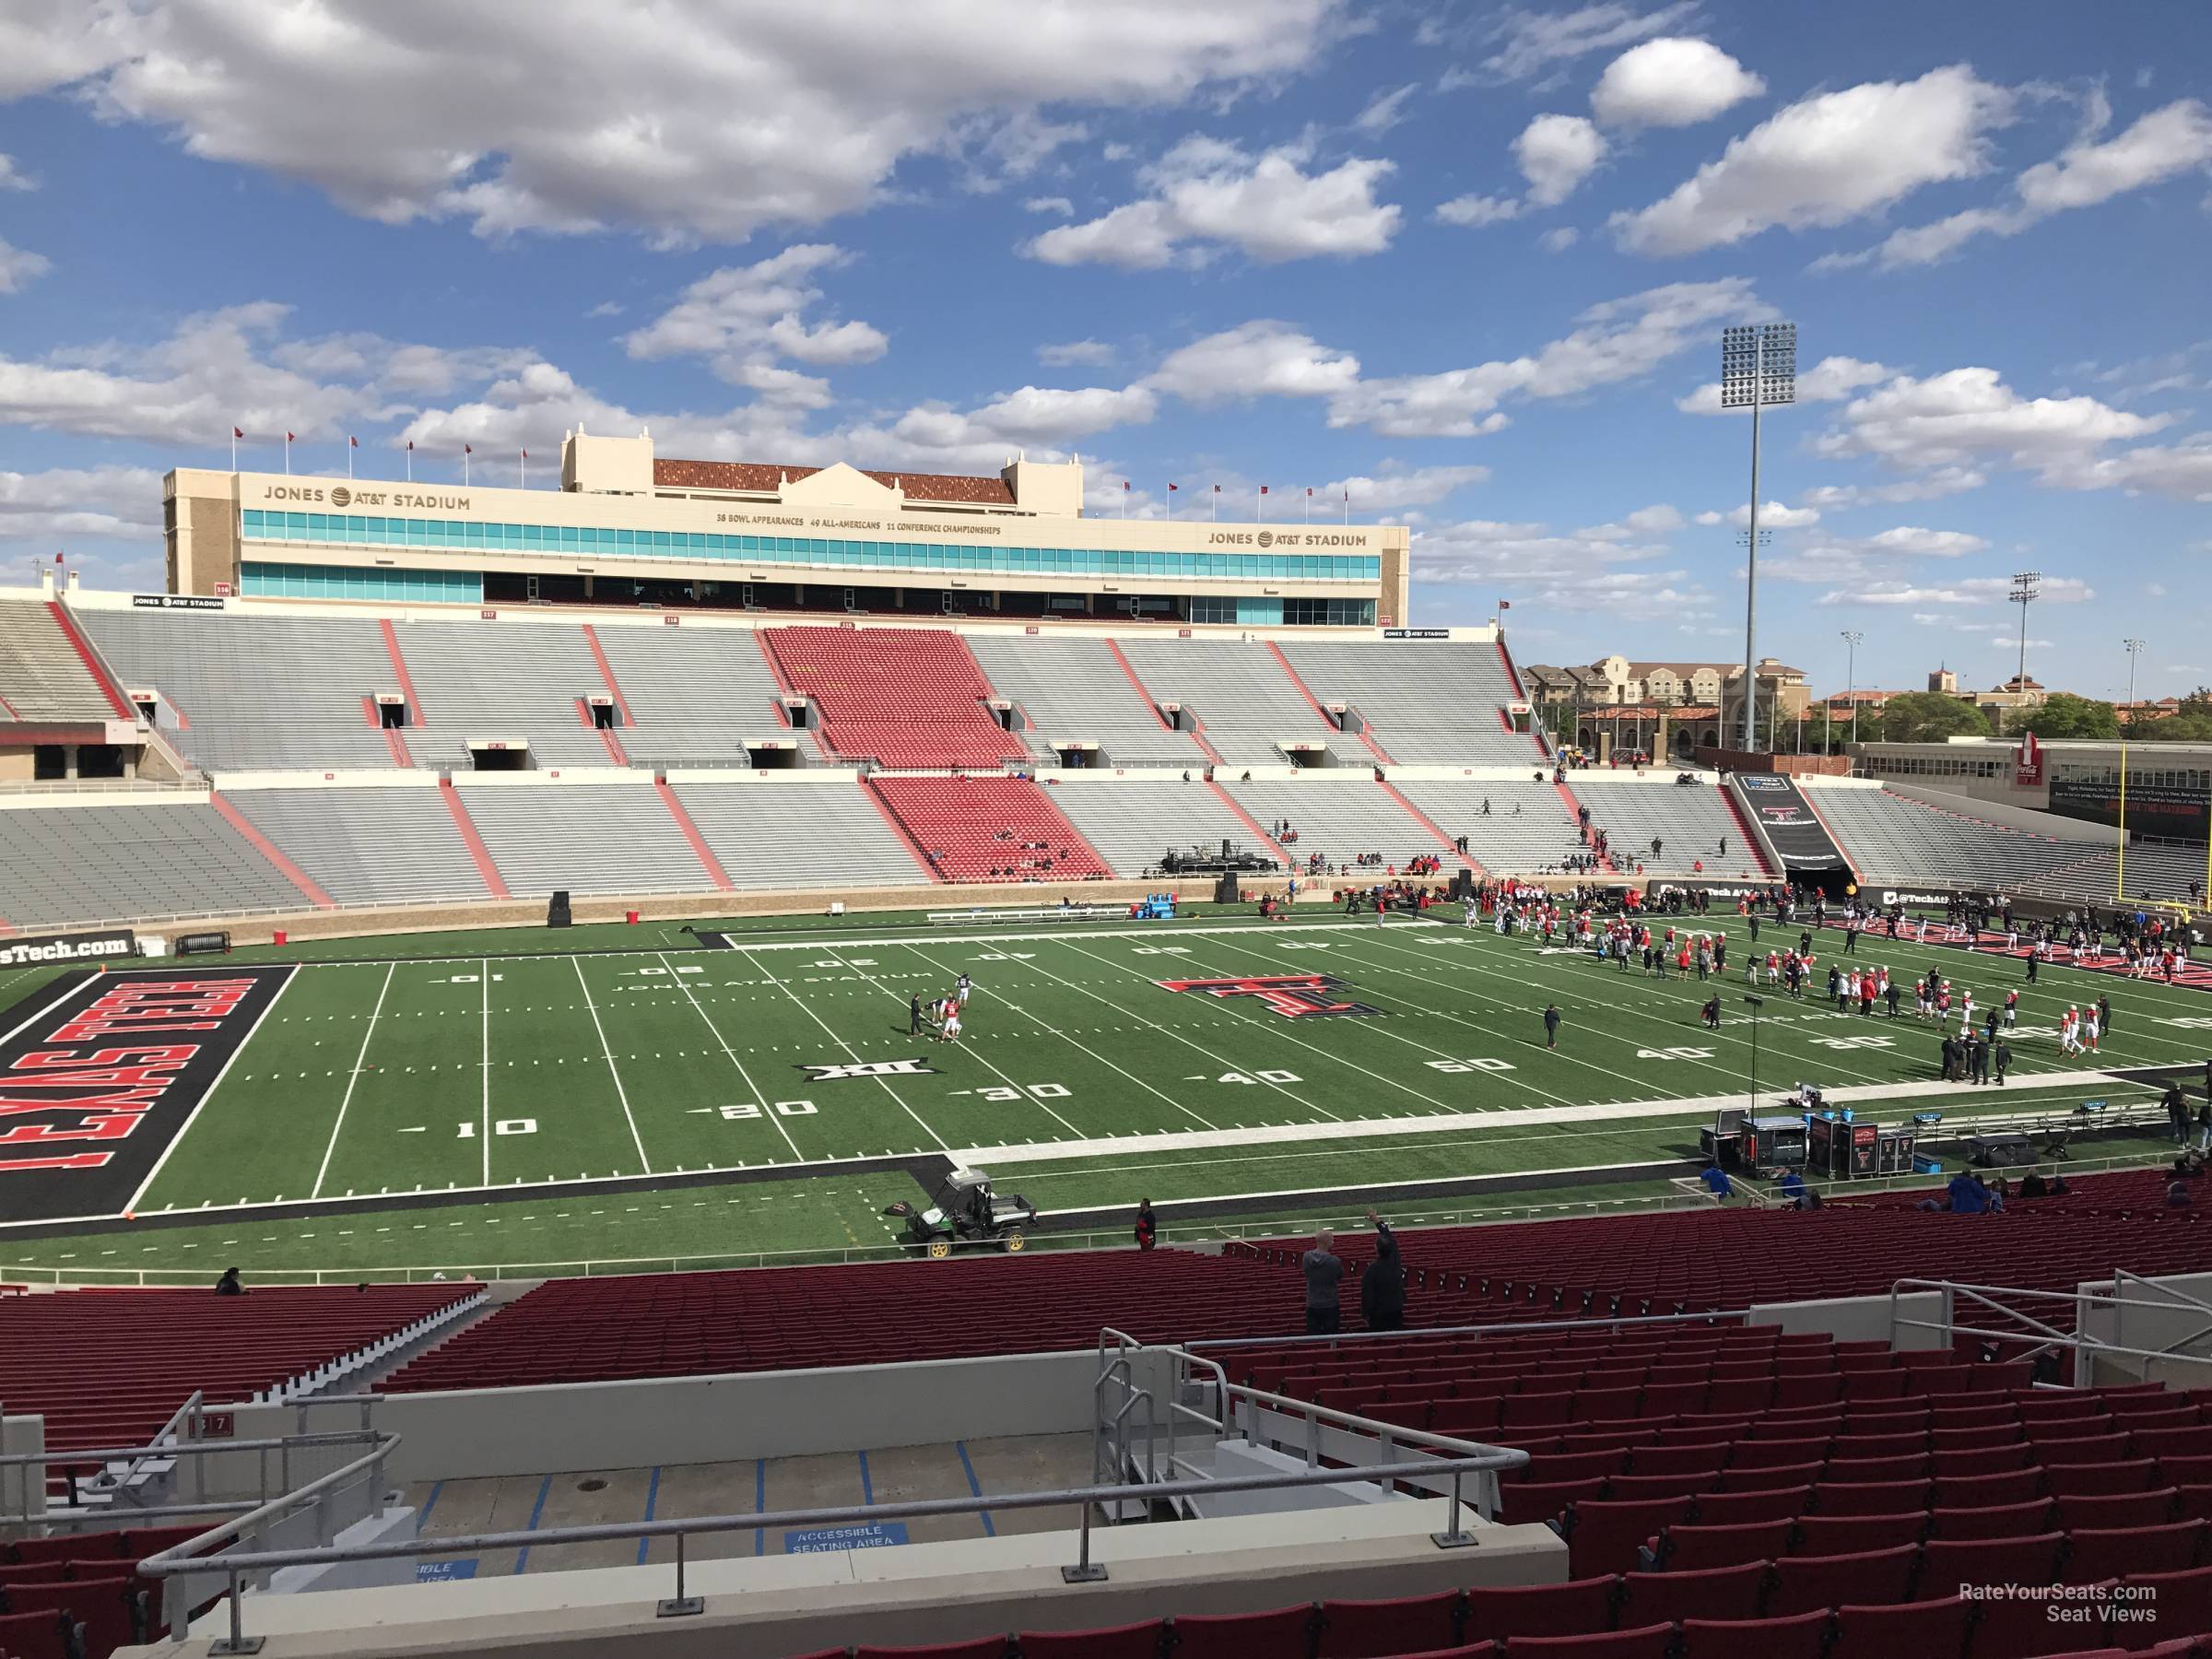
95, 1088
176, 602
1790, 827
2158, 809
69, 947
1655, 892
1416, 633
203, 944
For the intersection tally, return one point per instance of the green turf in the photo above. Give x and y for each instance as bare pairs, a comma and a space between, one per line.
466, 1065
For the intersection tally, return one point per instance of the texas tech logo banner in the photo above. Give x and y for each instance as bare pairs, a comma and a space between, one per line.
1292, 995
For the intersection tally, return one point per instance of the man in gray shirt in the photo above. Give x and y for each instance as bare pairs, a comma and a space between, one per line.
1324, 1272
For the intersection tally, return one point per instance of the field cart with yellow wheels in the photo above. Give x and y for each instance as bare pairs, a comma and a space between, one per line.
966, 1212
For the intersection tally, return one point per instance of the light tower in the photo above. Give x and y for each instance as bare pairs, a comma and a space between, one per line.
1759, 368
2026, 588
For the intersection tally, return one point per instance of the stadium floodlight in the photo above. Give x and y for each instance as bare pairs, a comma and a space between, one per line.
1852, 637
1759, 368
2026, 588
2134, 649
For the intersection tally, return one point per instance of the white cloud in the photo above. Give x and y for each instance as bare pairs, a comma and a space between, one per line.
2161, 146
1385, 110
1564, 571
1058, 205
709, 125
1032, 415
606, 308
1554, 154
1619, 340
1559, 240
1965, 416
13, 177
740, 317
99, 501
1261, 358
1671, 82
1825, 381
1071, 352
1659, 519
1398, 488
1929, 487
231, 367
1207, 193
1914, 541
1534, 41
1473, 210
1826, 160
1974, 589
19, 266
1772, 515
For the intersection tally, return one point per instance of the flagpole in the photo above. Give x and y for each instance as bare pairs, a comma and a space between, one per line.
1171, 504
523, 469
1348, 506
350, 449
1309, 515
464, 453
410, 460
1217, 504
233, 449
288, 455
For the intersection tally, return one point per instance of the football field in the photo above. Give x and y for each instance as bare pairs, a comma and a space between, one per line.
762, 1089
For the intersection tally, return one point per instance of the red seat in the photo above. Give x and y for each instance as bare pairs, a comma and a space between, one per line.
1141, 1640
1522, 1504
1685, 1548
2183, 1600
1363, 1630
1780, 1503
34, 1636
1605, 1537
2095, 1554
1803, 1637
1956, 1565
1983, 1491
1851, 1534
1282, 1633
2086, 1480
981, 1647
1925, 1629
107, 1608
2116, 1509
1871, 1497
1804, 1582
1713, 1593
1995, 1521
1652, 1641
1575, 1608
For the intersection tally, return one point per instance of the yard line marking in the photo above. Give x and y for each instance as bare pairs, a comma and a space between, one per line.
483, 978
184, 1129
1003, 1076
767, 1107
613, 1071
1051, 1030
850, 1050
360, 1060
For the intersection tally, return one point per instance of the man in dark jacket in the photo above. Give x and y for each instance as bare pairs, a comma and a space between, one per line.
1382, 1286
1147, 1235
1551, 1025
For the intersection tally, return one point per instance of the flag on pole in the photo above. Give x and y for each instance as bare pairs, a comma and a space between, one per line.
236, 433
1309, 504
1171, 501
526, 467
57, 558
1505, 604
466, 450
410, 460
352, 443
1217, 503
1348, 504
288, 455
1259, 505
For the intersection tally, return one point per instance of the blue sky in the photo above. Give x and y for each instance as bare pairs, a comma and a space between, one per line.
1467, 263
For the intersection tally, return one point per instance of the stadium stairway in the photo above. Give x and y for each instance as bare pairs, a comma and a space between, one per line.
989, 828
904, 698
45, 672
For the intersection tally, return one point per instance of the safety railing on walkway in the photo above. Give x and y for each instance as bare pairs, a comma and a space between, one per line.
2018, 1331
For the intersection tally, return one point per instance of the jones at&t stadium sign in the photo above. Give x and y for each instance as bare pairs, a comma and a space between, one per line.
67, 948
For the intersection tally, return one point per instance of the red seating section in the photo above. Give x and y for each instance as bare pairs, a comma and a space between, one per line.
108, 1368
674, 1324
903, 697
1732, 1258
990, 829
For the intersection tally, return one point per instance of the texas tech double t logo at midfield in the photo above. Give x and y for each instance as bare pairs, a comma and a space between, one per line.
1292, 995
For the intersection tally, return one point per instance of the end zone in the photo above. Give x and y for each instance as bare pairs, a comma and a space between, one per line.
100, 1082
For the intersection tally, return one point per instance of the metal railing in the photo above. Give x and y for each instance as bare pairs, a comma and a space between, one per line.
2019, 1328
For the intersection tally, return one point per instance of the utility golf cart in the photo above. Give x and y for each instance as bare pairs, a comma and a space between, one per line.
966, 1212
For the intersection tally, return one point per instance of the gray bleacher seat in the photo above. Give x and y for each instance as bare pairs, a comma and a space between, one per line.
1691, 823
1889, 838
1134, 821
367, 846
1528, 829
130, 861
41, 677
588, 838
1074, 692
782, 834
1248, 706
696, 695
1339, 817
282, 693
2153, 870
1425, 701
502, 680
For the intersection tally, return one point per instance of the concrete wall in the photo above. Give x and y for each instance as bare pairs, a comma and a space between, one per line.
1999, 809
1857, 1318
582, 1426
2179, 1325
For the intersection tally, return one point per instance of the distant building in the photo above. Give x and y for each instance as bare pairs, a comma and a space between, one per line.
1680, 705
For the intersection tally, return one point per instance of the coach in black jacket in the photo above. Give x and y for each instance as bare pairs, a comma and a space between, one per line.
1382, 1286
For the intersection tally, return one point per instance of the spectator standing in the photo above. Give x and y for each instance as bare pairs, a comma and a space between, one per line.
1551, 1025
1147, 1235
1325, 1273
1717, 1182
1382, 1286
